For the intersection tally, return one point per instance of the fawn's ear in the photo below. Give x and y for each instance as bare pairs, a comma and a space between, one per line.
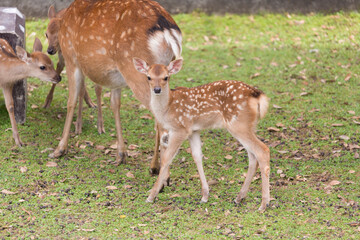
22, 54
51, 12
37, 45
175, 66
140, 65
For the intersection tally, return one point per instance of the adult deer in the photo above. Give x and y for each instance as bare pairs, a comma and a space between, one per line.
52, 32
14, 67
98, 39
183, 112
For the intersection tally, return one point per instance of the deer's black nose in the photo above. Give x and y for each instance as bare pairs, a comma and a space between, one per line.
51, 51
157, 90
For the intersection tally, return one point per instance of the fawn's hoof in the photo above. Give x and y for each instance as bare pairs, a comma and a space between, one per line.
154, 171
121, 158
149, 200
57, 153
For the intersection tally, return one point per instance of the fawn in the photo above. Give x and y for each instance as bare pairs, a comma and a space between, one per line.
98, 39
14, 67
183, 112
52, 32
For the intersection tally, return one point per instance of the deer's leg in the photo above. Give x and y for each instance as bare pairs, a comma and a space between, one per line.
115, 106
100, 120
261, 153
195, 144
59, 67
155, 165
175, 141
76, 79
88, 100
49, 97
79, 122
9, 102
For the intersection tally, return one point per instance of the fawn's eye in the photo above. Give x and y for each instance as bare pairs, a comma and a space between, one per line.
149, 78
166, 78
42, 67
46, 35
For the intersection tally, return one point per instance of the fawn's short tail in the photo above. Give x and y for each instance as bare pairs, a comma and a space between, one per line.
263, 105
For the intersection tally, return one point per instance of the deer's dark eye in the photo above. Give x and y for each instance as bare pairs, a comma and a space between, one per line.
46, 35
42, 67
149, 78
166, 78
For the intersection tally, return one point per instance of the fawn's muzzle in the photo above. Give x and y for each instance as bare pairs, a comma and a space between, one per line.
56, 79
157, 90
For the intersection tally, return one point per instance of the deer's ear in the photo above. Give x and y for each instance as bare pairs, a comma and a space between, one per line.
175, 66
51, 12
22, 54
140, 65
37, 45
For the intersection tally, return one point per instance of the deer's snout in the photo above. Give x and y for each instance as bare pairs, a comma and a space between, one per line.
51, 50
157, 90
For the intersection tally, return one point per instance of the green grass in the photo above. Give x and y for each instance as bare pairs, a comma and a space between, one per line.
286, 57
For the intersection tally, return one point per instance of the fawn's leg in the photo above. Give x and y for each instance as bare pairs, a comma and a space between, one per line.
79, 122
262, 155
9, 102
195, 144
175, 141
100, 120
115, 106
88, 100
253, 165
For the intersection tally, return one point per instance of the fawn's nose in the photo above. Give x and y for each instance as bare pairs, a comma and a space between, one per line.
157, 90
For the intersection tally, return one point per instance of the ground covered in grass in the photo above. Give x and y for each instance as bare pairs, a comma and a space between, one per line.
308, 66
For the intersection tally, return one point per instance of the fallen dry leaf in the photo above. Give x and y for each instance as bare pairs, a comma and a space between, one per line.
130, 175
4, 191
212, 182
23, 169
175, 196
114, 146
146, 116
34, 106
100, 147
229, 157
88, 230
344, 137
352, 171
337, 124
277, 107
347, 78
111, 187
273, 129
334, 182
51, 164
255, 75
127, 186
133, 147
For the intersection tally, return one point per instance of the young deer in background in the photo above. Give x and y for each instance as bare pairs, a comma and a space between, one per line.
53, 48
99, 39
183, 112
15, 67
